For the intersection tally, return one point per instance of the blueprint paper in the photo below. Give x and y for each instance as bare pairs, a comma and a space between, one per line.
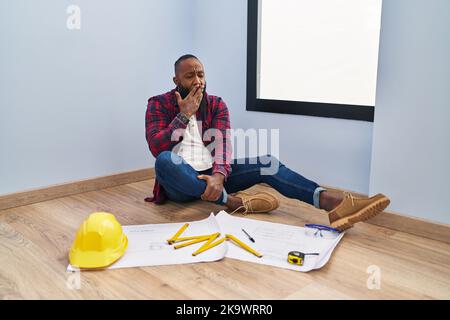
274, 241
147, 244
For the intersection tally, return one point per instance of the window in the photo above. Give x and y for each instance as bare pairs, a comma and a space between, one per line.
316, 58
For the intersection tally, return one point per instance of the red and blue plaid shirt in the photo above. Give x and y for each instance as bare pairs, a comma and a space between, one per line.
161, 121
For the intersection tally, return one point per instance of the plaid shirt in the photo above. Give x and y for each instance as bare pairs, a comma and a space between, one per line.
162, 120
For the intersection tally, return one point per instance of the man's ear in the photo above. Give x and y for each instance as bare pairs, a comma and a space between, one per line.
175, 80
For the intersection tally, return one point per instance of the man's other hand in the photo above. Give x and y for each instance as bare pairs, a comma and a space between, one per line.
214, 186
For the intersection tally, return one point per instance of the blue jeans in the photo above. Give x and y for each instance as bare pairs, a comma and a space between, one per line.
181, 184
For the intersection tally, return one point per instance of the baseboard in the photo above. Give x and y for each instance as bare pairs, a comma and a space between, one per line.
70, 188
404, 223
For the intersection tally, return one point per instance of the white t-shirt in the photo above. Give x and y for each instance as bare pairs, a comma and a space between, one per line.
192, 149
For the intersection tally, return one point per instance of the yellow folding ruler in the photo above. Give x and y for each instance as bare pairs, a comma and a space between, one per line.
209, 238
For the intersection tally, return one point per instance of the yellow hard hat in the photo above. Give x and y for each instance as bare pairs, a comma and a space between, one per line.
99, 242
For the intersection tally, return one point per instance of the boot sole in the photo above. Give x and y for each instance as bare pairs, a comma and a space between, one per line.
362, 215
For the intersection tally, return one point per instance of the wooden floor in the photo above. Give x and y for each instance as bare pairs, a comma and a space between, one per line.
35, 239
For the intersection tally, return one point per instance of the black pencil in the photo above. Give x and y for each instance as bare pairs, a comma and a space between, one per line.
251, 239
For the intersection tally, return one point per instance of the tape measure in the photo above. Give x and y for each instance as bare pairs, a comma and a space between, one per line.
298, 258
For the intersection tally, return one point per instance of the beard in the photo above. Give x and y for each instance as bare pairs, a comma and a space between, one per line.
203, 104
185, 91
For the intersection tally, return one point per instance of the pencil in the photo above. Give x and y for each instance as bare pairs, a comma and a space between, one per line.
179, 232
243, 245
192, 242
249, 237
212, 245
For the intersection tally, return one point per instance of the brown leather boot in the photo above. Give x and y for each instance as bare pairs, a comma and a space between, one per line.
352, 210
260, 202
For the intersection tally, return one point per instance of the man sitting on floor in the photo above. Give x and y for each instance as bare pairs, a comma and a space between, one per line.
189, 170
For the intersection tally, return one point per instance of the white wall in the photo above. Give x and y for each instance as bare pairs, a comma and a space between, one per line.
331, 151
72, 103
411, 149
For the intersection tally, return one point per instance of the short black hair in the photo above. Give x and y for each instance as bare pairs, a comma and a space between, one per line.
182, 58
